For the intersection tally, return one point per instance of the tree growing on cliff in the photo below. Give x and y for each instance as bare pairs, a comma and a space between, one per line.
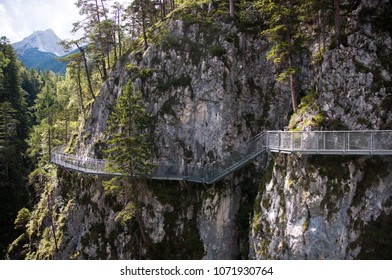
98, 31
130, 152
130, 145
284, 32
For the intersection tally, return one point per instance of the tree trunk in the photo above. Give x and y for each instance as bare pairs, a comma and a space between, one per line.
323, 24
104, 72
231, 5
81, 93
108, 57
90, 87
293, 92
66, 129
144, 26
103, 44
49, 138
119, 42
163, 8
118, 32
292, 86
338, 24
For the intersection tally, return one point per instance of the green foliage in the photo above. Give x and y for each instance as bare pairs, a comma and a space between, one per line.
137, 72
308, 114
130, 147
32, 82
334, 167
318, 56
283, 28
125, 216
130, 152
130, 144
376, 239
284, 31
217, 50
36, 59
13, 130
23, 218
379, 17
306, 225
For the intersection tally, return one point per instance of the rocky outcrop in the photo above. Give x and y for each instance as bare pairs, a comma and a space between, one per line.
331, 207
207, 92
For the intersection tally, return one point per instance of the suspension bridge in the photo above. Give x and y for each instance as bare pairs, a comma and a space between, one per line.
368, 142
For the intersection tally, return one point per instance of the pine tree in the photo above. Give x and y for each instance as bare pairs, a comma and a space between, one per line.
130, 145
13, 130
130, 153
284, 32
96, 30
139, 9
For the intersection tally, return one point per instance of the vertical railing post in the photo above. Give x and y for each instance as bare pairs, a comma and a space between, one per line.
371, 142
266, 140
292, 140
324, 133
344, 141
348, 141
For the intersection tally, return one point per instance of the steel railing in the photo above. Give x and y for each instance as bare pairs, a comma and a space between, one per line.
331, 142
208, 174
306, 142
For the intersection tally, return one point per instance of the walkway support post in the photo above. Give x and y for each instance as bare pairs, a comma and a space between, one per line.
371, 142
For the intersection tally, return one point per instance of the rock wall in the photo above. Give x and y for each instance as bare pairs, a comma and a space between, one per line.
207, 92
332, 207
209, 87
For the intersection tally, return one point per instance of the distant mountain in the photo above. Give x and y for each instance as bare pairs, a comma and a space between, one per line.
34, 58
44, 41
40, 50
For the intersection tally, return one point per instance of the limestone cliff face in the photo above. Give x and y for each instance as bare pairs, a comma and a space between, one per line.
209, 88
334, 207
208, 92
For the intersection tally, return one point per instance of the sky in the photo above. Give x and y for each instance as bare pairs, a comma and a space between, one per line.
20, 18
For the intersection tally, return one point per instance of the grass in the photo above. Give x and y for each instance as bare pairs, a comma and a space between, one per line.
306, 114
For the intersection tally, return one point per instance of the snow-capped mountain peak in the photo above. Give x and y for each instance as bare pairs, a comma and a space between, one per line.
45, 41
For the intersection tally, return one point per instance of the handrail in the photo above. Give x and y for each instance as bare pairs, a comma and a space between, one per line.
372, 142
357, 142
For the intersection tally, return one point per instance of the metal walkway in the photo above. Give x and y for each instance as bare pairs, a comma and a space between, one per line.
378, 142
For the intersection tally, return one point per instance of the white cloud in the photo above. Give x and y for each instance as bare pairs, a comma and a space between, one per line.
20, 18
5, 24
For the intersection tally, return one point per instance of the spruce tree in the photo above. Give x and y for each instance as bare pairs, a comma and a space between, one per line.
130, 146
13, 129
284, 32
130, 152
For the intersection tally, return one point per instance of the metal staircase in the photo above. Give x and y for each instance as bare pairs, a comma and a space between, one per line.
207, 174
243, 155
